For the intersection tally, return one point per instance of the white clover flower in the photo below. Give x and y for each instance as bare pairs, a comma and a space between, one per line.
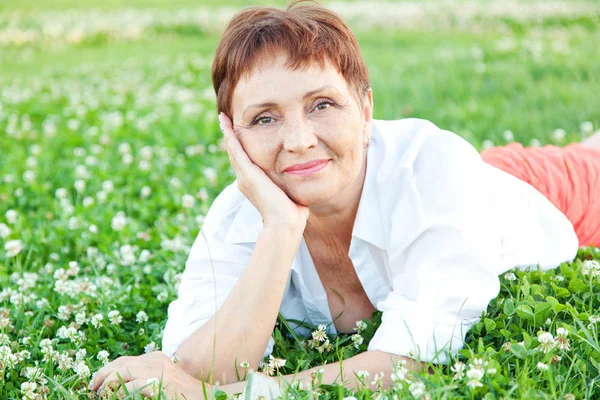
202, 194
115, 317
150, 347
210, 174
535, 142
360, 326
590, 267
458, 368
127, 255
547, 341
363, 374
357, 340
245, 364
594, 319
82, 370
13, 247
80, 355
542, 367
586, 127
93, 229
4, 231
510, 276
508, 136
141, 317
28, 389
60, 193
88, 201
127, 159
378, 379
188, 201
146, 152
79, 185
319, 334
119, 221
486, 144
73, 223
108, 186
145, 255
562, 343
417, 389
80, 318
101, 196
11, 216
29, 176
276, 362
144, 165
145, 192
64, 313
124, 148
558, 135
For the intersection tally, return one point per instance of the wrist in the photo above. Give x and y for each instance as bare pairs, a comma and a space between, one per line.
285, 227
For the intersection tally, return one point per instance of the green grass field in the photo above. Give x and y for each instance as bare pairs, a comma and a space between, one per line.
107, 119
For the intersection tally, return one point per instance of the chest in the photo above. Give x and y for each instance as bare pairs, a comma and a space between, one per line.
346, 296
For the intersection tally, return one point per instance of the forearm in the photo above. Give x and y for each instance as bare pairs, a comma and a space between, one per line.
374, 362
241, 329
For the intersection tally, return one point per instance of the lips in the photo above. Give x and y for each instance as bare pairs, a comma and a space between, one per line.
306, 166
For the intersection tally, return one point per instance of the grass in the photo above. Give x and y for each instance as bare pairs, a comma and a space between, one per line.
103, 137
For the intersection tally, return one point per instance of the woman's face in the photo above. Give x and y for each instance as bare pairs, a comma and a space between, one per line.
286, 117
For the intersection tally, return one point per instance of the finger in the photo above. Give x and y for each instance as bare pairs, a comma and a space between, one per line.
144, 387
233, 144
121, 374
105, 371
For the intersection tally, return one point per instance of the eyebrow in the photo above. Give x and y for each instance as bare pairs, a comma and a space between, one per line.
306, 95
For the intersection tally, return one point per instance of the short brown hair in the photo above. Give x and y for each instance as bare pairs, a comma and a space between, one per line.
307, 34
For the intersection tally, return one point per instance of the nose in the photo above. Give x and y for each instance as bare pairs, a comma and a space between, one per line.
299, 137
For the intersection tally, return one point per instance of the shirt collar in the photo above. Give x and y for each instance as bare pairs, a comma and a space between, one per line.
247, 223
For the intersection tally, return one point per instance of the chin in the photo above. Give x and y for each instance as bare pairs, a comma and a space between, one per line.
311, 196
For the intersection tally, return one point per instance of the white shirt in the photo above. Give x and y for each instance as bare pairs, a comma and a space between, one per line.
434, 228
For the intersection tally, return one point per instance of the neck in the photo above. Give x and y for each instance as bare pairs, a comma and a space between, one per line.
336, 217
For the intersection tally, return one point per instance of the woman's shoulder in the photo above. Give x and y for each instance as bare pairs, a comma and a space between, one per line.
417, 148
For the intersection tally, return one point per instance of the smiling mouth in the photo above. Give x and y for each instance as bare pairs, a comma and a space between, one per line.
311, 169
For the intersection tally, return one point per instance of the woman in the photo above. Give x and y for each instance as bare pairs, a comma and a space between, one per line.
335, 214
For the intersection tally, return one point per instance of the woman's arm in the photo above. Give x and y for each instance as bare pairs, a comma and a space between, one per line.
241, 329
375, 362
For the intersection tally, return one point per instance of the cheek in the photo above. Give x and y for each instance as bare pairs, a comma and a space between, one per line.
262, 153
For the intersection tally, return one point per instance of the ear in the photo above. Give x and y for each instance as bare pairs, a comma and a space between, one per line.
367, 115
368, 106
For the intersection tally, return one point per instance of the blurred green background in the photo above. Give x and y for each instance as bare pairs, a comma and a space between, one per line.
496, 71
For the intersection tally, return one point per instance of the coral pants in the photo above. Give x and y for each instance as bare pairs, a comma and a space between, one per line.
568, 176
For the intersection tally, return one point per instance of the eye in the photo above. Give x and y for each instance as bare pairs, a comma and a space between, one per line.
323, 102
259, 119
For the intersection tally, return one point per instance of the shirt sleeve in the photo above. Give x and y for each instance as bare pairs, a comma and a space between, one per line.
211, 271
444, 276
